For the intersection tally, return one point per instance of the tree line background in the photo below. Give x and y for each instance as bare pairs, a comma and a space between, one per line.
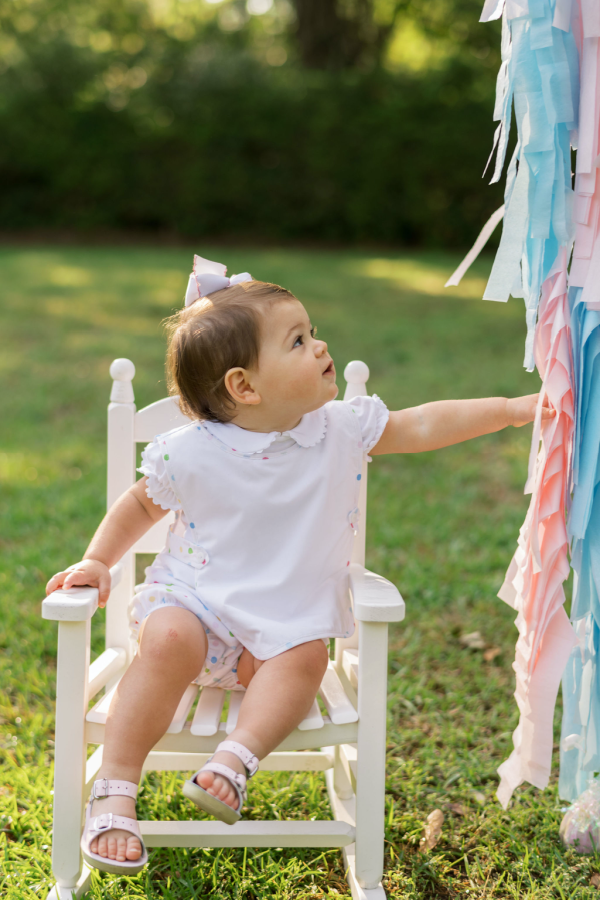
337, 120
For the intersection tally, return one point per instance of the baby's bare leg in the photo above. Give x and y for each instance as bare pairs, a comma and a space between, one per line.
278, 697
172, 649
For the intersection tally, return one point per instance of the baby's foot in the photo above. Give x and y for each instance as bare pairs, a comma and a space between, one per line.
219, 786
116, 844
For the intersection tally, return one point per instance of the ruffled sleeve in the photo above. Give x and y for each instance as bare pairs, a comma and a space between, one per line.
159, 483
373, 416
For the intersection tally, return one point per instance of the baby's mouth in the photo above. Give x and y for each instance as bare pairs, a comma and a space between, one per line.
330, 370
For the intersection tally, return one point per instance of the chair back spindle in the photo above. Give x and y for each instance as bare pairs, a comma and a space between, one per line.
120, 477
356, 374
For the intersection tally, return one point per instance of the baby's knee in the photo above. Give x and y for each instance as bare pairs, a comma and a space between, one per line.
173, 634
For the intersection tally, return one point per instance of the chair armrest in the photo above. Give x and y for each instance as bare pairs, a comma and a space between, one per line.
76, 604
375, 599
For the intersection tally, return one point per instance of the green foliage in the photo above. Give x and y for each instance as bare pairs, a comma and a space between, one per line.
456, 24
442, 525
113, 116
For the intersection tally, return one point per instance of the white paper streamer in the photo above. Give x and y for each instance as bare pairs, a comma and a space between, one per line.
484, 236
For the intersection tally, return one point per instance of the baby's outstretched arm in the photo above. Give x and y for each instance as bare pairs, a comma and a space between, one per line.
126, 521
436, 425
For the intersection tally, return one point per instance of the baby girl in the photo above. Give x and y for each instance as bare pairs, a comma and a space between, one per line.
252, 582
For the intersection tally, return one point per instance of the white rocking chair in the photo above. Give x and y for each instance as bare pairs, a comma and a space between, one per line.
350, 741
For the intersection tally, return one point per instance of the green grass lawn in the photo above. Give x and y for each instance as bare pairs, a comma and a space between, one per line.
442, 526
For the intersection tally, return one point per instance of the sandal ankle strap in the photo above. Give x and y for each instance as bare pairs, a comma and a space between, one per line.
105, 787
248, 759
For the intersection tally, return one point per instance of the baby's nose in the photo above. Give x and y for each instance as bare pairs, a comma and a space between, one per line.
320, 348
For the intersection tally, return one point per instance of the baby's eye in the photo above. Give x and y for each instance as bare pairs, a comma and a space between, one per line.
299, 341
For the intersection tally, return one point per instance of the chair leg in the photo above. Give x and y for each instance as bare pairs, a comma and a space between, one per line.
370, 770
77, 890
69, 764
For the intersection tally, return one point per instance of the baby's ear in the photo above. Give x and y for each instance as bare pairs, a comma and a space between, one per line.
239, 387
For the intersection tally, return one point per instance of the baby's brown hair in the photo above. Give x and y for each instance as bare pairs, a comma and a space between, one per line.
215, 334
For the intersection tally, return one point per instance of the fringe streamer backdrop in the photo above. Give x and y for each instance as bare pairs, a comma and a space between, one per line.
551, 73
566, 347
580, 753
539, 75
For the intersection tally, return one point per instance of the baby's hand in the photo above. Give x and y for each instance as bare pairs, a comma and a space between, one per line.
90, 572
521, 410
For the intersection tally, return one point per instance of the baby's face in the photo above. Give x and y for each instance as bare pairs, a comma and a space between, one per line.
295, 372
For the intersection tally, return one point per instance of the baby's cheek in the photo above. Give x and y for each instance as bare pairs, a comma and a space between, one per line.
299, 384
311, 380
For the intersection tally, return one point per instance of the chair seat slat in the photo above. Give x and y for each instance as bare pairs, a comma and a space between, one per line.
314, 719
208, 712
235, 701
183, 710
350, 664
334, 697
99, 710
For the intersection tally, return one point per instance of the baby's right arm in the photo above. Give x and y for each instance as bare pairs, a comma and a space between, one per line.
445, 422
125, 522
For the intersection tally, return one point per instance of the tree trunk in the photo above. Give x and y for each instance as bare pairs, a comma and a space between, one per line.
332, 34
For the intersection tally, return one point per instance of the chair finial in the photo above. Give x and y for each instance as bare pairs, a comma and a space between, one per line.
122, 372
356, 372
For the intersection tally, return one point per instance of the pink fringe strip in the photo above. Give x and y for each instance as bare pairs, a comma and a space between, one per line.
534, 581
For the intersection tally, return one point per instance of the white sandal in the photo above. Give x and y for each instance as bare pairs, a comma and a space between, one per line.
97, 825
213, 805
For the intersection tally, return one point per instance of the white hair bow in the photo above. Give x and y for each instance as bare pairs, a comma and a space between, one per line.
208, 277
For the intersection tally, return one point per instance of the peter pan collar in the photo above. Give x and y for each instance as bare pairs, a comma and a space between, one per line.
308, 432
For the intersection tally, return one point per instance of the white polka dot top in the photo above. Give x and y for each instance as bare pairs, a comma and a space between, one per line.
267, 521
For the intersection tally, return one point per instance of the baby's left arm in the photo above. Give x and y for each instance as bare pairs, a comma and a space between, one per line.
446, 422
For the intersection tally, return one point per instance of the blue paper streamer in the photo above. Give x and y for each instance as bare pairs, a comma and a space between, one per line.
580, 732
539, 75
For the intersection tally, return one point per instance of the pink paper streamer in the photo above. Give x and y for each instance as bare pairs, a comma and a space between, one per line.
534, 581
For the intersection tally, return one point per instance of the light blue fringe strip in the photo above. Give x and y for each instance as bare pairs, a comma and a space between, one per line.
580, 748
540, 73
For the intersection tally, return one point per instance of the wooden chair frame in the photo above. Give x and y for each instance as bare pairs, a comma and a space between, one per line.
350, 742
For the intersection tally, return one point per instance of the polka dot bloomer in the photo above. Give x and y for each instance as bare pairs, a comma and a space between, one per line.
220, 665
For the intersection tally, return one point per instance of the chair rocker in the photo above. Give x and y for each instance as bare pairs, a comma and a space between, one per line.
348, 744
